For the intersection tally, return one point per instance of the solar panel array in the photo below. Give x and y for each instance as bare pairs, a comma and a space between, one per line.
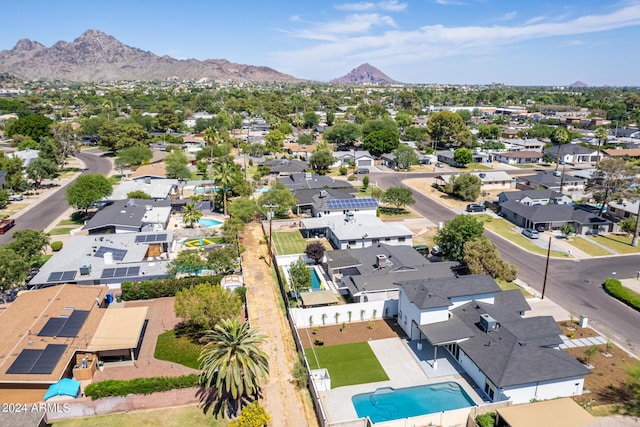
31, 361
118, 254
62, 276
109, 273
356, 202
150, 238
66, 327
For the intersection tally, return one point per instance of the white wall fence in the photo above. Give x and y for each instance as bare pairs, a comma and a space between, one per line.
362, 311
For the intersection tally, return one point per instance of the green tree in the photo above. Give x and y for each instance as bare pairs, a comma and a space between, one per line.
481, 256
202, 306
560, 136
4, 198
33, 126
29, 244
117, 136
465, 115
447, 129
187, 262
243, 209
274, 141
225, 176
65, 136
601, 135
300, 275
278, 195
398, 196
321, 160
12, 166
315, 251
252, 415
611, 179
462, 156
176, 165
310, 119
87, 190
404, 120
381, 141
13, 268
405, 157
343, 135
365, 182
41, 169
167, 117
628, 225
223, 260
567, 230
191, 214
138, 194
135, 155
233, 366
464, 186
456, 232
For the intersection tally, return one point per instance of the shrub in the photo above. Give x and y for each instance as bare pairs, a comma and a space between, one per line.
56, 245
486, 420
110, 388
352, 178
343, 170
628, 296
162, 287
318, 342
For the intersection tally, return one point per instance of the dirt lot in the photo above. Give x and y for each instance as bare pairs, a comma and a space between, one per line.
353, 332
606, 385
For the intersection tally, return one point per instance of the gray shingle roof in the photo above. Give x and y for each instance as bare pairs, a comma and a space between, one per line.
299, 181
448, 331
125, 213
569, 149
548, 179
533, 194
433, 293
540, 213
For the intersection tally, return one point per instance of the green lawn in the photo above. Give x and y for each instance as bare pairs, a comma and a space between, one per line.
348, 364
178, 349
60, 231
65, 222
588, 247
289, 242
478, 167
506, 229
619, 243
42, 259
508, 286
188, 415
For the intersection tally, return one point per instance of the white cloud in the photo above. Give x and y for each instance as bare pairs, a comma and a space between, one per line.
449, 2
535, 19
508, 16
355, 6
392, 5
375, 38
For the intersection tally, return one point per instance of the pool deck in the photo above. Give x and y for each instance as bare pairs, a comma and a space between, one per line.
404, 369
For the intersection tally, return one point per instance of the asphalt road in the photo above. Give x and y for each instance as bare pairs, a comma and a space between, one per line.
576, 285
40, 216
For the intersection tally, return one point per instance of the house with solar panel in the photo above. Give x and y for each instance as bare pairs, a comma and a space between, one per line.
63, 332
326, 205
107, 259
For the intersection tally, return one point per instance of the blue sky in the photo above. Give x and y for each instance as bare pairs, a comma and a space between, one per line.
526, 42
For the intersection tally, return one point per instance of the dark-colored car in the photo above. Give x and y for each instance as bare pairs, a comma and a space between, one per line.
362, 171
476, 208
436, 251
422, 249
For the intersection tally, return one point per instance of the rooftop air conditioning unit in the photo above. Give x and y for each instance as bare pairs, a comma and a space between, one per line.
85, 269
488, 323
323, 193
381, 261
147, 180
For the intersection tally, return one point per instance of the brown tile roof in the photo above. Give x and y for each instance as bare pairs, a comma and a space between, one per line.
522, 155
27, 315
158, 170
629, 152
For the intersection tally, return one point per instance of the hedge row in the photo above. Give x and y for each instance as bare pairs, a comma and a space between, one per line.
111, 388
628, 296
162, 287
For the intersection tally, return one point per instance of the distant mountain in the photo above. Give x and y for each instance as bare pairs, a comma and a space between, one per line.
578, 83
363, 74
96, 56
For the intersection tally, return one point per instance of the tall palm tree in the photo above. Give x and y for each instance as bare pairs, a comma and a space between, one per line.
225, 175
191, 214
211, 136
233, 367
601, 135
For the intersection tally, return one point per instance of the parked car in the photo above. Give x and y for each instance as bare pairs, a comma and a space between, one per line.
362, 171
476, 208
439, 165
531, 233
15, 197
436, 251
422, 249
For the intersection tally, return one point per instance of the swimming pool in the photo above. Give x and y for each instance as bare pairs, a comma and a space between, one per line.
316, 284
208, 222
386, 404
203, 190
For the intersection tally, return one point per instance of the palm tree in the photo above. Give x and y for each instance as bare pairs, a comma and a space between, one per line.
211, 136
107, 106
233, 367
191, 214
225, 175
560, 136
601, 135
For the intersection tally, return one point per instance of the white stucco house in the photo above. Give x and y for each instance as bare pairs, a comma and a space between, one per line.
507, 356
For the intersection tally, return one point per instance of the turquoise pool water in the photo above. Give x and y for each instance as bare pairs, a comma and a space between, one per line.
386, 404
203, 190
208, 222
315, 280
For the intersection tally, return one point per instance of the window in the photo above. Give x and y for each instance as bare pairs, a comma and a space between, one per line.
401, 239
374, 241
489, 389
352, 242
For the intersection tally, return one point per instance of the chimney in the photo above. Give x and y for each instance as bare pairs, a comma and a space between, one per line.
147, 180
108, 258
381, 261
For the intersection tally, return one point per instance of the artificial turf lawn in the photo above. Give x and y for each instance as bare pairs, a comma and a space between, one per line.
178, 349
348, 364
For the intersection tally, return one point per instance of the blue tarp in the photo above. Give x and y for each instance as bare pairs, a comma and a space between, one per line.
64, 387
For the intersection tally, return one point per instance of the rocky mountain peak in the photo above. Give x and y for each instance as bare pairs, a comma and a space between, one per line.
365, 73
26, 45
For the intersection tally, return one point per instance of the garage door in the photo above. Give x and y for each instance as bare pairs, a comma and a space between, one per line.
365, 162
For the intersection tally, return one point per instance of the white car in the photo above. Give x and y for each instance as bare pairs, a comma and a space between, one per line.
15, 197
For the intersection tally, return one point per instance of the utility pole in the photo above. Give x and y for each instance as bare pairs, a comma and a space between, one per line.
546, 269
270, 216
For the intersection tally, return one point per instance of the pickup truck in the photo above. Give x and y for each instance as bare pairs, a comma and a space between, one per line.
6, 224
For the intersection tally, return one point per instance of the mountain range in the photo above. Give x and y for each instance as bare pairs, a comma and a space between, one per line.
96, 56
365, 73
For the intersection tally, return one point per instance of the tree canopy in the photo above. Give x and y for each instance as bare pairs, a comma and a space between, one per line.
204, 305
321, 160
447, 129
398, 196
300, 275
87, 190
381, 141
33, 126
463, 156
315, 251
455, 233
464, 186
405, 157
481, 256
343, 134
280, 196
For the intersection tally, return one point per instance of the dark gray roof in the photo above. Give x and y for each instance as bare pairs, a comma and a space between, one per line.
341, 258
385, 279
582, 216
283, 165
297, 181
553, 213
548, 179
569, 149
123, 213
445, 332
312, 197
512, 299
399, 257
512, 354
518, 195
433, 293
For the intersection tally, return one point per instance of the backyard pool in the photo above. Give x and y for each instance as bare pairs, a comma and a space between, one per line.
208, 222
386, 404
316, 284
